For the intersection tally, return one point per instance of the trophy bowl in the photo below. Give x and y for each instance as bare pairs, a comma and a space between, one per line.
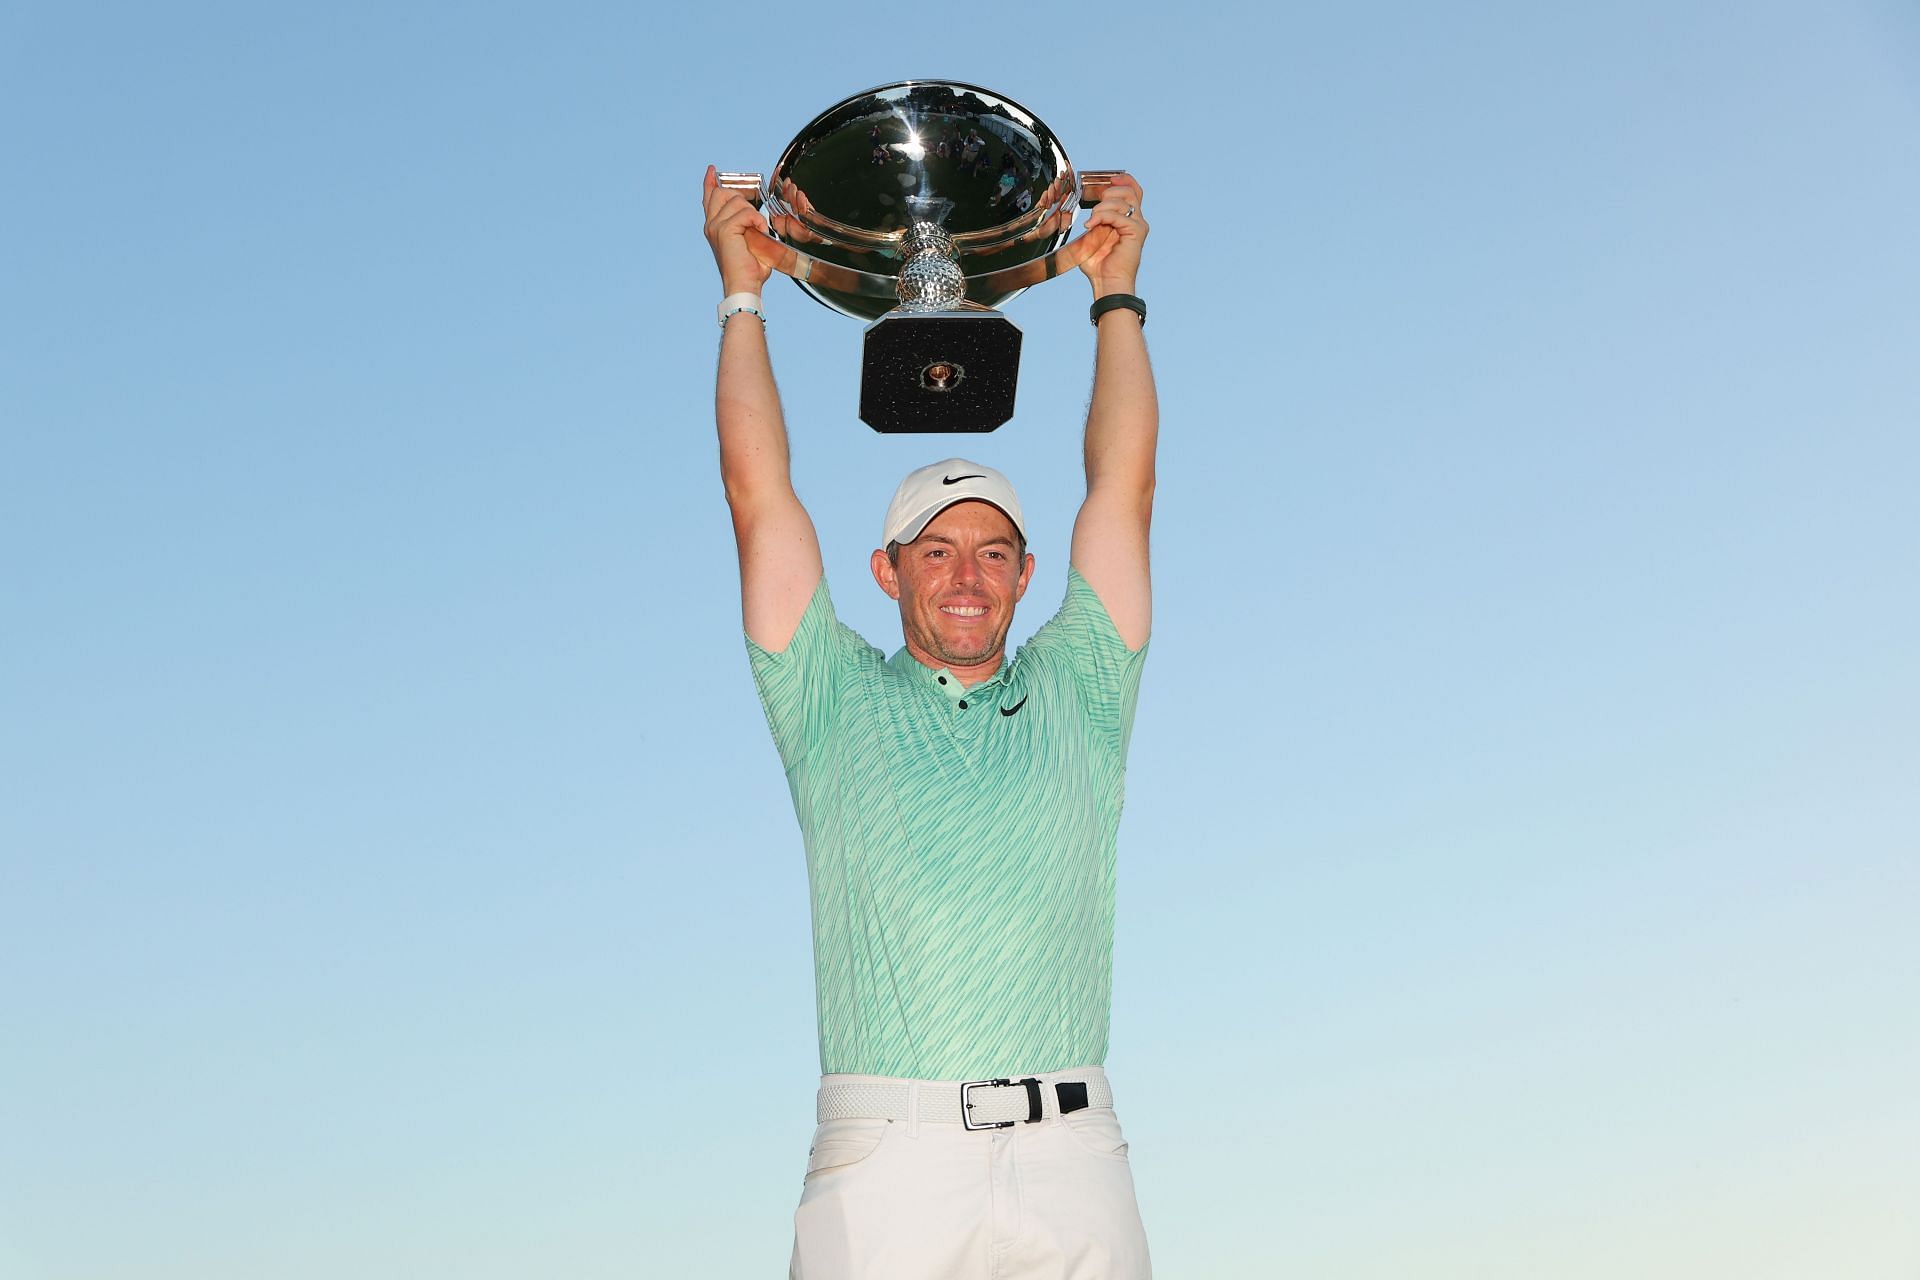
923, 207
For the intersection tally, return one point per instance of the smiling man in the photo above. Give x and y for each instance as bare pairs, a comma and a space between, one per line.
960, 814
963, 569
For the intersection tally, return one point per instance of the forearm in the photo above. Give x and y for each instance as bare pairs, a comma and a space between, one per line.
1123, 419
753, 433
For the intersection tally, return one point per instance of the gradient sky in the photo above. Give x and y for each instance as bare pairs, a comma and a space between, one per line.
1522, 851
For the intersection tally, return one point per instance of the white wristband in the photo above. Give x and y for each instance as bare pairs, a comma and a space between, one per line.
734, 303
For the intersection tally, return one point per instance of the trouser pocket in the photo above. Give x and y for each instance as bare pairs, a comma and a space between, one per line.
841, 1144
1097, 1132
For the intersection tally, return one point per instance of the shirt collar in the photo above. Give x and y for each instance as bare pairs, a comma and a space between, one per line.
941, 679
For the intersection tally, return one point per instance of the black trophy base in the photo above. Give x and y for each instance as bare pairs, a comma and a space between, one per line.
939, 371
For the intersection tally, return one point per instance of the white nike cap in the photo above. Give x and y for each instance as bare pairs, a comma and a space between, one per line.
927, 492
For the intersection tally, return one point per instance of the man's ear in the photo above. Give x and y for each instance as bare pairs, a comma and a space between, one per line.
887, 576
1026, 576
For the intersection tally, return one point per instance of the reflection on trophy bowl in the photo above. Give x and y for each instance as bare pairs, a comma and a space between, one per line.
921, 206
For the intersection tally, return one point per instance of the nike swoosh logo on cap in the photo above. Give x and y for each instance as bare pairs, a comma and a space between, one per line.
958, 479
1007, 711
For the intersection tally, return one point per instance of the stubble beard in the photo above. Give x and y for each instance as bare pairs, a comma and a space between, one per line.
951, 655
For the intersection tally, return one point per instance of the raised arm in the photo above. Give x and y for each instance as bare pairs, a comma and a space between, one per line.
1123, 428
779, 552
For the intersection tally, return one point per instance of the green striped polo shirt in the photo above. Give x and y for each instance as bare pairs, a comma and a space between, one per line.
960, 842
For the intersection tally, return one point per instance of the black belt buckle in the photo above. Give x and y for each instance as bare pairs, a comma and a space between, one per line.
1032, 1086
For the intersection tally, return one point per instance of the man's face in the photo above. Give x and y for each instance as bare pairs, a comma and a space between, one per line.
957, 584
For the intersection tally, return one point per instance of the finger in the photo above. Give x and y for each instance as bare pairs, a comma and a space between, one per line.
740, 228
738, 225
719, 197
1123, 194
1127, 225
738, 210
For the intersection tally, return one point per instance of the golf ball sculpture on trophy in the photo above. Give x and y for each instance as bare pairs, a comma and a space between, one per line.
922, 207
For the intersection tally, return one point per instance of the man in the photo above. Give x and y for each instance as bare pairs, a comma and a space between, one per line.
959, 814
970, 148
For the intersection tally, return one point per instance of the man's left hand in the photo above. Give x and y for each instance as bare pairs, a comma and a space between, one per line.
1115, 268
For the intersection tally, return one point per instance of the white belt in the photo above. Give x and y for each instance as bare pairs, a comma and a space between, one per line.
974, 1104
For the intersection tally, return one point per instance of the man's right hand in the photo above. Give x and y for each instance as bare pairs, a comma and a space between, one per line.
730, 220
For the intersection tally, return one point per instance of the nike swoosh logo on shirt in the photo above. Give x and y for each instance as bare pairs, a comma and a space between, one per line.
1007, 711
958, 479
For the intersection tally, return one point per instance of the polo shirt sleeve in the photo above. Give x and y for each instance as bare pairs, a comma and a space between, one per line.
1082, 641
800, 685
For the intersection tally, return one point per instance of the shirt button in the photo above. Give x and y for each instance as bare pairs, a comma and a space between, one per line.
941, 679
963, 704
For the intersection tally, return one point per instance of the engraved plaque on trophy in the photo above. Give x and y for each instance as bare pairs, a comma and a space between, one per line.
922, 207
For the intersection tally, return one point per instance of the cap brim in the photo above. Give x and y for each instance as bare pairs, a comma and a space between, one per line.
918, 525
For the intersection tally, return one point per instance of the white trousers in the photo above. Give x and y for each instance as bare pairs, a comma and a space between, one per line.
924, 1198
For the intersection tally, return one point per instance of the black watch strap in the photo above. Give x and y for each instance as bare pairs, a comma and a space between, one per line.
1113, 302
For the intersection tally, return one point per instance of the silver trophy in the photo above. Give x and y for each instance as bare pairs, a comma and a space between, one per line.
922, 207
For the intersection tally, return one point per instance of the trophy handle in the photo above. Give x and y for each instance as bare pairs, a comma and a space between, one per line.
787, 260
747, 184
1094, 184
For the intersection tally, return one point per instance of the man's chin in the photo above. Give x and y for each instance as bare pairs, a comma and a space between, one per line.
965, 655
967, 659
961, 646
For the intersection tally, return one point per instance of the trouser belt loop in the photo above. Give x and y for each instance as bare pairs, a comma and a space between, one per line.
913, 1110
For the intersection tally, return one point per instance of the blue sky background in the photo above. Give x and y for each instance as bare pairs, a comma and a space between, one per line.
1523, 841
